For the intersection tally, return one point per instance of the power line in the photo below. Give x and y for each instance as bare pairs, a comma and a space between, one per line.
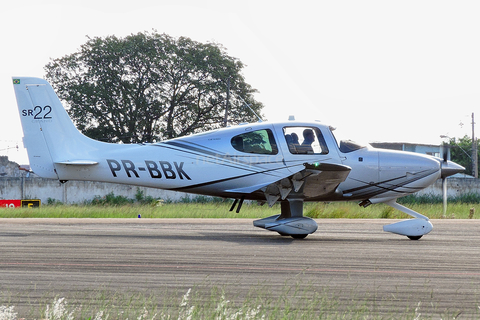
8, 148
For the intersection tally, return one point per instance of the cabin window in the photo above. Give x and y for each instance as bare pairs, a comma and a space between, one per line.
259, 142
305, 140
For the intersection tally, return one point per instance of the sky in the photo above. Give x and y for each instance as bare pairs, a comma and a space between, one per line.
380, 71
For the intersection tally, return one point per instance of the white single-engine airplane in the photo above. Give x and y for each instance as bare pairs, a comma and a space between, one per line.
290, 162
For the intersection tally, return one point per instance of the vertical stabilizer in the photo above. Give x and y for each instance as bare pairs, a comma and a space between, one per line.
49, 134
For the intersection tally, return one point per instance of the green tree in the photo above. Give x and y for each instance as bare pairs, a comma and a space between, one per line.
149, 87
461, 152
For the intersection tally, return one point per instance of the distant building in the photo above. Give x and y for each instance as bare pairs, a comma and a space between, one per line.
429, 149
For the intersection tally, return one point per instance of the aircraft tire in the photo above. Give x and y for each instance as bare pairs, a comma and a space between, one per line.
414, 237
299, 236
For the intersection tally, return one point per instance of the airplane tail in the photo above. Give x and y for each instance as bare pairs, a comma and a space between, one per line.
50, 136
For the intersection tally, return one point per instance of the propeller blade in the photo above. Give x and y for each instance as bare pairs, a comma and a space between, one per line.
445, 153
444, 196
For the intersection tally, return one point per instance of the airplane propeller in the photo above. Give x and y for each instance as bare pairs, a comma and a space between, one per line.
447, 168
444, 179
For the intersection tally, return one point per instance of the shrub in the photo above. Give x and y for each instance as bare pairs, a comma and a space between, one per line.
111, 199
53, 202
142, 199
202, 199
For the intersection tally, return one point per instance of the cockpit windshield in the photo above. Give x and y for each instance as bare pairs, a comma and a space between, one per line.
346, 145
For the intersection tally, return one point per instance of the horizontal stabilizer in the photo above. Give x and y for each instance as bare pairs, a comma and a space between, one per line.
78, 162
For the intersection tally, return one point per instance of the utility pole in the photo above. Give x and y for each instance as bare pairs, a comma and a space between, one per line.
474, 149
227, 103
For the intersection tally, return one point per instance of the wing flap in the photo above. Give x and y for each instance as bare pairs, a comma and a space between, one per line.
322, 178
323, 183
316, 180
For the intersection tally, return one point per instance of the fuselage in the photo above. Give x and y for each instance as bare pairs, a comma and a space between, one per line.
241, 160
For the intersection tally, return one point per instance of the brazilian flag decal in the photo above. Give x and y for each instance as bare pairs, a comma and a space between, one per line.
16, 81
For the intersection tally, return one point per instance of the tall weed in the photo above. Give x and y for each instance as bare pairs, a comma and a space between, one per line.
293, 301
471, 198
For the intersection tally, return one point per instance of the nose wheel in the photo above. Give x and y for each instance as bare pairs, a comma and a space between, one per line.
299, 236
414, 229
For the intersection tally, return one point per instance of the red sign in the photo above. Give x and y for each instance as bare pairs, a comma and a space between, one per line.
19, 203
10, 203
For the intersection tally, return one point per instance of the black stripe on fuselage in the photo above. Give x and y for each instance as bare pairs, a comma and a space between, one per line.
222, 159
216, 157
386, 186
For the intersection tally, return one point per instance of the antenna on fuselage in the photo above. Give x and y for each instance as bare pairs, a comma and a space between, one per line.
259, 119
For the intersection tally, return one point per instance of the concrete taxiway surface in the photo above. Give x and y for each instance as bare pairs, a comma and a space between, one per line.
353, 260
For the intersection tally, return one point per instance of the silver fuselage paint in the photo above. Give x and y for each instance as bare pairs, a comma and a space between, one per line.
208, 164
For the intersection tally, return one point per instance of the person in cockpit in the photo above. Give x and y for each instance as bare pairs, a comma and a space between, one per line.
308, 138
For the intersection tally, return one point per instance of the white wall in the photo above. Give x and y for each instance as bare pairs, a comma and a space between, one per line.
80, 191
74, 191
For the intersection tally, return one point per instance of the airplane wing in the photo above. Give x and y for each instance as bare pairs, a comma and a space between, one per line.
322, 179
316, 180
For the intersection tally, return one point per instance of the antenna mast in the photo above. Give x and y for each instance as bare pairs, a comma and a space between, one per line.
248, 106
227, 103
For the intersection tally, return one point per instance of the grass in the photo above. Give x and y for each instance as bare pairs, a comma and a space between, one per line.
112, 206
293, 301
348, 210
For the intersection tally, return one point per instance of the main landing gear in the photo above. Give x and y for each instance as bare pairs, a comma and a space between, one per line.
290, 222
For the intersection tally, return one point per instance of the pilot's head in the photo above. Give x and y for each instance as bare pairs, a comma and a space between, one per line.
294, 137
308, 135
